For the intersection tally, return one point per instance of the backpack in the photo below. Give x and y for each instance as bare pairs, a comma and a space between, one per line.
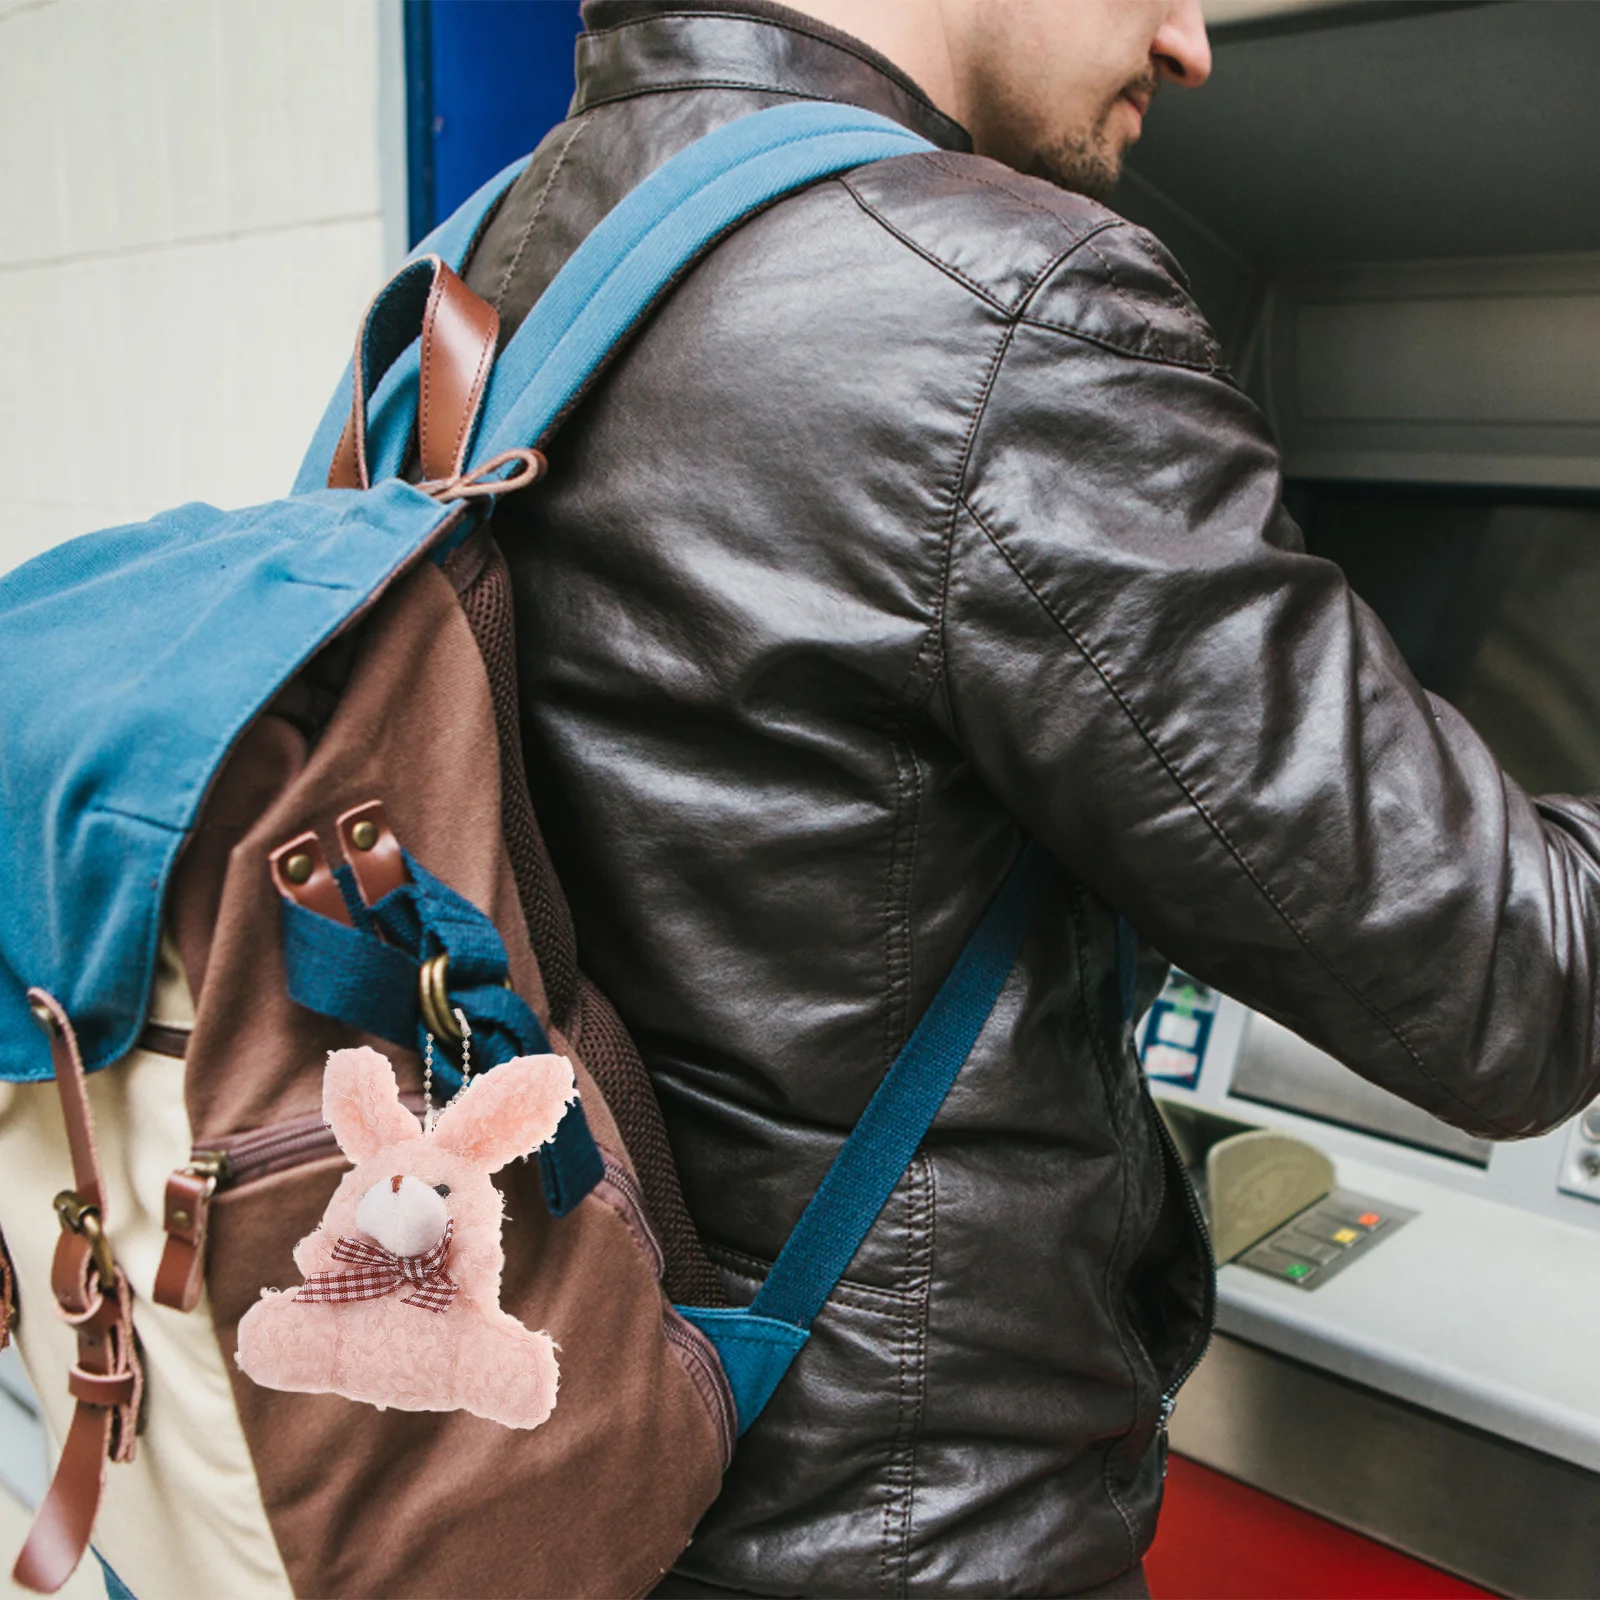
262, 803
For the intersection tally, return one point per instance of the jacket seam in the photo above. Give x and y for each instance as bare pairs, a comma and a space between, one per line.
980, 179
578, 127
899, 1500
869, 1297
952, 272
939, 678
1122, 297
897, 894
838, 40
1221, 833
1162, 360
1048, 270
1113, 1255
677, 85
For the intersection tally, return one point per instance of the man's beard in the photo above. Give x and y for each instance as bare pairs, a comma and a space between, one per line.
1090, 163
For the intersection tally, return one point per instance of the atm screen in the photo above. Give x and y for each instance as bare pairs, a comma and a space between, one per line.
1494, 602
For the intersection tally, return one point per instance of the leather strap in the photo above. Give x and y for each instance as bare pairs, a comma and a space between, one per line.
459, 335
372, 851
92, 1296
187, 1211
163, 1039
8, 1295
300, 872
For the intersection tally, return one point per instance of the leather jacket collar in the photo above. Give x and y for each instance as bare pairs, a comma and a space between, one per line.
635, 47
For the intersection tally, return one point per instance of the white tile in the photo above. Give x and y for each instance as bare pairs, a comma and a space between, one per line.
189, 233
197, 372
128, 124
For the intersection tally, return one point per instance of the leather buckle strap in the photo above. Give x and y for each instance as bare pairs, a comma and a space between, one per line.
92, 1296
186, 1215
100, 1388
459, 335
8, 1295
79, 1217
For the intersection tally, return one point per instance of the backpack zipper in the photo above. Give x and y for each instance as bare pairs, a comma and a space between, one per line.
705, 1372
244, 1158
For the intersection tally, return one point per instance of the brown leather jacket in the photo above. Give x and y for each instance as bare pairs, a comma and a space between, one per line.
922, 518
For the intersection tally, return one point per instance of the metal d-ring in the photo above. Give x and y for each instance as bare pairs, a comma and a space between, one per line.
79, 1217
433, 996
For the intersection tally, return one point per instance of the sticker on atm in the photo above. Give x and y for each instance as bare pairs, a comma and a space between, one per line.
1176, 1031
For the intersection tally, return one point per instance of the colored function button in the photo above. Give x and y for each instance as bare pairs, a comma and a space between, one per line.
1297, 1270
1370, 1219
1334, 1230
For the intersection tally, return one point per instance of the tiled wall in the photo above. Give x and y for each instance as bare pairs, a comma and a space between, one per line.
191, 222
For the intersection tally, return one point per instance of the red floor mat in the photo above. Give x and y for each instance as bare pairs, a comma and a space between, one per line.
1221, 1540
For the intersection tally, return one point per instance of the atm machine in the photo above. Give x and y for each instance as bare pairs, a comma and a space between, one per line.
1391, 214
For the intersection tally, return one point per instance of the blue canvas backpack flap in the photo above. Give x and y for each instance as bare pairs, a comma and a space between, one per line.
262, 798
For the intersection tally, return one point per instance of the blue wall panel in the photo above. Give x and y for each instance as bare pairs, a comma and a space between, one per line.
485, 81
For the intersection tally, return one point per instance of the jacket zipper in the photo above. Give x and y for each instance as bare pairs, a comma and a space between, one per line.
1197, 1351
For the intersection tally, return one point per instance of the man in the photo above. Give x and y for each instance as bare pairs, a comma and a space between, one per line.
922, 519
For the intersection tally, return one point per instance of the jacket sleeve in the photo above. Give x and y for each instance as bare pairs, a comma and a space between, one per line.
1220, 739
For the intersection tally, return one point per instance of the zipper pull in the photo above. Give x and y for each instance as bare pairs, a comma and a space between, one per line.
187, 1210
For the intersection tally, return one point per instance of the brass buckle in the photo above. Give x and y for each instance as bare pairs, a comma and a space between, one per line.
433, 994
79, 1217
433, 997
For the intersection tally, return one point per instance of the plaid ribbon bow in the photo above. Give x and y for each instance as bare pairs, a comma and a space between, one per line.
378, 1272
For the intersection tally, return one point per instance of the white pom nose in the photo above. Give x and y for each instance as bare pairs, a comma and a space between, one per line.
404, 1215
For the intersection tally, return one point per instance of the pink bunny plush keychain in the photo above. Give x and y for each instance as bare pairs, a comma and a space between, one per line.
401, 1303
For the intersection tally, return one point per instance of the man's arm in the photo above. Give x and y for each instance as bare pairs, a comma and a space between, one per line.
1219, 738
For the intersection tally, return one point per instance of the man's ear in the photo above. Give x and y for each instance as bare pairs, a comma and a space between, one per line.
508, 1111
361, 1103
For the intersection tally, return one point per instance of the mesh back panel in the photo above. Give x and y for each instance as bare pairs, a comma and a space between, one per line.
577, 1007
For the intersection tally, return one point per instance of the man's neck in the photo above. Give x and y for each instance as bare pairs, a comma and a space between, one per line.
913, 34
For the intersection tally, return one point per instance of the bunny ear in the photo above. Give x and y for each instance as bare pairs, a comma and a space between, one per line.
509, 1111
361, 1103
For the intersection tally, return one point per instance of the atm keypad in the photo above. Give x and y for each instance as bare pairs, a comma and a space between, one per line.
1324, 1238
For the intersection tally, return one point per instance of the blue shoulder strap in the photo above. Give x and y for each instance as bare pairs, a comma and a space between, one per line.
758, 1343
646, 242
452, 242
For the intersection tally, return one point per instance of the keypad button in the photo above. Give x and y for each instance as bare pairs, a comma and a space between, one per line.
1313, 1249
1331, 1230
1280, 1261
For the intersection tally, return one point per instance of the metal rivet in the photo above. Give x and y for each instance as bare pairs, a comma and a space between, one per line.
45, 1017
298, 868
364, 835
180, 1219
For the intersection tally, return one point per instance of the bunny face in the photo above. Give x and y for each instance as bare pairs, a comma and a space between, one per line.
407, 1185
404, 1215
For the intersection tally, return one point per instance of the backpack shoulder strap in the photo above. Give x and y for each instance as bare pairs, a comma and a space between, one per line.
642, 246
452, 243
651, 238
758, 1343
